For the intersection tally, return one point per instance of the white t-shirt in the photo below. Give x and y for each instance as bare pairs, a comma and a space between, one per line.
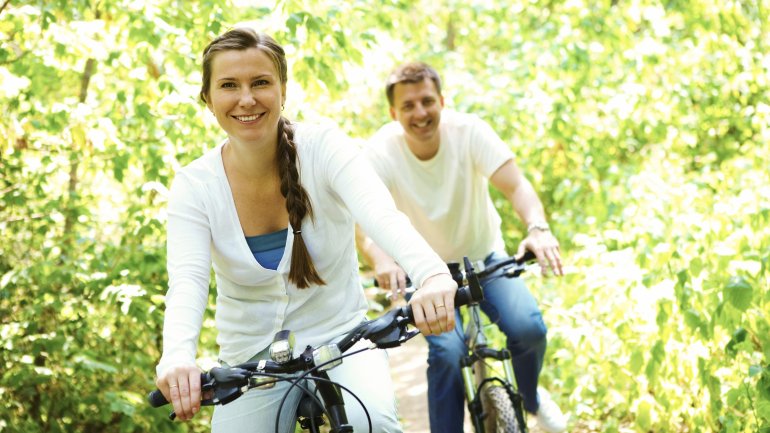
447, 197
253, 303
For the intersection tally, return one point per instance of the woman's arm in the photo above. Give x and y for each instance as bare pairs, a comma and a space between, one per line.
352, 178
189, 267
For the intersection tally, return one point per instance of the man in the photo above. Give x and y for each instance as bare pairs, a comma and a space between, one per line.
437, 164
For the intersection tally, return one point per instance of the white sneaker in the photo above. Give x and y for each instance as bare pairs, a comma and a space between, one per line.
549, 416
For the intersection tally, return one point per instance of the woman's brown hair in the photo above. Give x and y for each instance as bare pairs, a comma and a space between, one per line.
302, 271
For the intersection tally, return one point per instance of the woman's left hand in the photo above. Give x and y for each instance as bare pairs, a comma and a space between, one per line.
433, 305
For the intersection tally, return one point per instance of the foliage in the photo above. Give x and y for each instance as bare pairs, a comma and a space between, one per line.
644, 124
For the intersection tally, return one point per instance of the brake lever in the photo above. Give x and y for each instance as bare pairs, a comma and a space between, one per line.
396, 338
382, 326
390, 329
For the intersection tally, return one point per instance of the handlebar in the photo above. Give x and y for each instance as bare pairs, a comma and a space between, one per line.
513, 268
388, 330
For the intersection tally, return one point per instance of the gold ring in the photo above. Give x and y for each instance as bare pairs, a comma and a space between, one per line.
440, 306
173, 386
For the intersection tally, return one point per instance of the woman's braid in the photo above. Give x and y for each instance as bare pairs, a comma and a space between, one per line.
302, 272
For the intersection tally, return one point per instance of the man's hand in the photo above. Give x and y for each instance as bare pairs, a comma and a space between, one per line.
546, 248
433, 305
390, 276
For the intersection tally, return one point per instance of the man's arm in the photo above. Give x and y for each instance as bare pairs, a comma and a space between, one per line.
510, 180
388, 273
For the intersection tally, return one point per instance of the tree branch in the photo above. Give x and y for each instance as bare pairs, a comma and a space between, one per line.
24, 219
72, 188
8, 62
4, 5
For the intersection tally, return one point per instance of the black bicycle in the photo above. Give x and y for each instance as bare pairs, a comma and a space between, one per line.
324, 403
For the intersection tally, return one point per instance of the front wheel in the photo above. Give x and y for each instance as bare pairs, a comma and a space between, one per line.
501, 414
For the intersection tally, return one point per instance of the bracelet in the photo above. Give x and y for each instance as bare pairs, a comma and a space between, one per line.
538, 225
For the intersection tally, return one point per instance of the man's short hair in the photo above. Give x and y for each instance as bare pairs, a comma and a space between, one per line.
413, 72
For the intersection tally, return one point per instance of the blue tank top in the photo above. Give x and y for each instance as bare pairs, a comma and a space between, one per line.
268, 248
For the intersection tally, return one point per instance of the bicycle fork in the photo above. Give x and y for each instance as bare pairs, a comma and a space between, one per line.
472, 389
331, 395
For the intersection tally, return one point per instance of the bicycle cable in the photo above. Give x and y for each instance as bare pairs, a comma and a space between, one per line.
306, 373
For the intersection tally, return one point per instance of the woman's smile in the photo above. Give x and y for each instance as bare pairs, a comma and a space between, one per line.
248, 118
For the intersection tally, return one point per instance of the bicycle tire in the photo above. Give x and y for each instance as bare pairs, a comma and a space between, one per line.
501, 414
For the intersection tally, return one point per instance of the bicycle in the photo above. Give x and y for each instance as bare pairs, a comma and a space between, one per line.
387, 331
494, 403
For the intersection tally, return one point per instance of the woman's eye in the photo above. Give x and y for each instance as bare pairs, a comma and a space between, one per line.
228, 85
259, 83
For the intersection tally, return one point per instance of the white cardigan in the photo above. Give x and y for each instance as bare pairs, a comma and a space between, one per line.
253, 303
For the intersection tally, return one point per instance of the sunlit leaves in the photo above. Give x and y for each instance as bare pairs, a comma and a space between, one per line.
644, 126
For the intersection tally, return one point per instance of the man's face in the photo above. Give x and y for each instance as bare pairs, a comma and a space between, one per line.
417, 107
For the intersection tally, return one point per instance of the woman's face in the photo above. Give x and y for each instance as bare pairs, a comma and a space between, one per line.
246, 96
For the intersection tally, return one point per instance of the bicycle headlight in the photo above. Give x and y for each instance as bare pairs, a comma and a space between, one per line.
282, 347
329, 353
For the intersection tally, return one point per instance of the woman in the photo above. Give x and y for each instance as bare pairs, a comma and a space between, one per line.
273, 208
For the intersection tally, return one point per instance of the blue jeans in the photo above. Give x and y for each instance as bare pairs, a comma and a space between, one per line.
509, 304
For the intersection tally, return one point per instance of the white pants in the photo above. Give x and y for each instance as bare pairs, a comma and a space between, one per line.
367, 374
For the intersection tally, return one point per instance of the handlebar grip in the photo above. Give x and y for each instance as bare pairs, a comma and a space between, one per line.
375, 283
156, 399
527, 257
463, 296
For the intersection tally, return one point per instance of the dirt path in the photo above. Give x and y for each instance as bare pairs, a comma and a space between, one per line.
407, 366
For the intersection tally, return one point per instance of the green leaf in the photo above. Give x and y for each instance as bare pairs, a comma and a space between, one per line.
93, 364
644, 413
733, 395
664, 313
693, 318
763, 410
739, 293
739, 336
636, 362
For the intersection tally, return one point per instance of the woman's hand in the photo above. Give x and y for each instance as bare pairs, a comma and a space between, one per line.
433, 305
182, 387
